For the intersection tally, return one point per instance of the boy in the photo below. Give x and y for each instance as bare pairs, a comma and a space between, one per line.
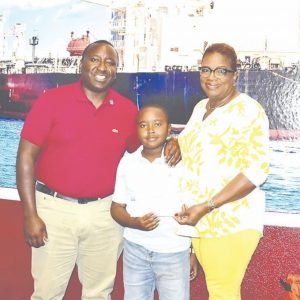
145, 199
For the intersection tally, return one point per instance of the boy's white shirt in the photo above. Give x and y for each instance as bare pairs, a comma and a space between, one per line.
145, 187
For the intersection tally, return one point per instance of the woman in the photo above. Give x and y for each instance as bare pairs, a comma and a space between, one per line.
225, 155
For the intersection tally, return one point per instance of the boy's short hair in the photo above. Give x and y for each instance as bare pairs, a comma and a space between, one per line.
159, 106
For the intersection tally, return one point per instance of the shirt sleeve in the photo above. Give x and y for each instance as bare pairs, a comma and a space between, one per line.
38, 121
256, 131
133, 141
121, 194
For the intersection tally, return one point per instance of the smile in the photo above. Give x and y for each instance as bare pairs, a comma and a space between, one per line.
212, 86
100, 78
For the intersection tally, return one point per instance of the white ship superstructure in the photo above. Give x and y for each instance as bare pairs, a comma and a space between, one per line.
155, 35
17, 56
163, 35
172, 34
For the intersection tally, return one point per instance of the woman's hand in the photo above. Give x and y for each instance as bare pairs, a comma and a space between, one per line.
191, 215
172, 152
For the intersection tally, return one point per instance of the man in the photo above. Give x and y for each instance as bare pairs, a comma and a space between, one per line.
70, 147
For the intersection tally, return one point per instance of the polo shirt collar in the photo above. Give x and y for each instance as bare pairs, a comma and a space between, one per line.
83, 97
159, 160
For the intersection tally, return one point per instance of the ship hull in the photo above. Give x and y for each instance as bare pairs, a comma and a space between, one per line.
279, 94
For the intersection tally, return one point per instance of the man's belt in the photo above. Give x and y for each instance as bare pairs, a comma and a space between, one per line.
46, 190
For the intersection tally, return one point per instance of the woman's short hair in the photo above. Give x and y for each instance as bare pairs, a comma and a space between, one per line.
225, 50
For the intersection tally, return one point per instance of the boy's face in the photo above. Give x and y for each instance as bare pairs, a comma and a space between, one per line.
153, 127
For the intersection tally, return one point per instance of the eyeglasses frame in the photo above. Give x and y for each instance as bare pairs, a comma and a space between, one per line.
213, 71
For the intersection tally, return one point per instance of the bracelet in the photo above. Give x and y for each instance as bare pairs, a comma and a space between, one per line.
210, 205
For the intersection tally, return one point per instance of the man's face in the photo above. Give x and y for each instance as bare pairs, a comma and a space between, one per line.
99, 67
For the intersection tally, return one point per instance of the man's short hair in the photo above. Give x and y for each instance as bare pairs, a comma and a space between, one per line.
98, 42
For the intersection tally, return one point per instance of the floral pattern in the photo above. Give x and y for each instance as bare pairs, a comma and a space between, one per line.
232, 139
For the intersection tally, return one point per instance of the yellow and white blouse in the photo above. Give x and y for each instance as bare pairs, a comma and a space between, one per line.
234, 138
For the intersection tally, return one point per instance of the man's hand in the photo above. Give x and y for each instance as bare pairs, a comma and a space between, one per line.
35, 231
172, 152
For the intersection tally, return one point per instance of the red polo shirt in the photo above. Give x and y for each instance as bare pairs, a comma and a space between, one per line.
81, 146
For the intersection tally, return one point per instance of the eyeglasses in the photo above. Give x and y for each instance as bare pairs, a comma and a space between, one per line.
219, 72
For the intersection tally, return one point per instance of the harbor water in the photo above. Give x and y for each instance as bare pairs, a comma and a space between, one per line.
282, 187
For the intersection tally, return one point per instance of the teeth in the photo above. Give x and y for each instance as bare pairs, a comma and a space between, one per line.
100, 77
212, 86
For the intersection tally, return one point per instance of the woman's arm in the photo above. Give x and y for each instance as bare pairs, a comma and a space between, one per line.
237, 188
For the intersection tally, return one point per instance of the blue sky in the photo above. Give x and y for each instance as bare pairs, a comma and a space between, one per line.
237, 22
53, 22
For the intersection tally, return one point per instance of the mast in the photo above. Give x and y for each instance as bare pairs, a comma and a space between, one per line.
33, 41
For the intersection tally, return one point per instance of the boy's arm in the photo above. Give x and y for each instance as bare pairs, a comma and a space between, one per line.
120, 215
193, 266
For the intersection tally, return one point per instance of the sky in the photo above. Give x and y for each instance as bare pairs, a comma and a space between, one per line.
254, 24
52, 21
246, 24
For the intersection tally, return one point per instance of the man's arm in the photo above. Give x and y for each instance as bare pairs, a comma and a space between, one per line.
34, 228
119, 213
172, 152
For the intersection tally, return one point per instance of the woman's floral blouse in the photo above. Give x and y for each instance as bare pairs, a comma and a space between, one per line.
233, 139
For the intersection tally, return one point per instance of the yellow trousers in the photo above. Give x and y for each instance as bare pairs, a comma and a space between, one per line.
224, 261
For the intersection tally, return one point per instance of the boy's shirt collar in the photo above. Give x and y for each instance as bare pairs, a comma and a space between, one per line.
160, 159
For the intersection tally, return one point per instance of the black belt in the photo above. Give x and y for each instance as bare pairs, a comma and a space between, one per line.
46, 190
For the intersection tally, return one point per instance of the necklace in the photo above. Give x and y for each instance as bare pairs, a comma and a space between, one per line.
209, 107
223, 102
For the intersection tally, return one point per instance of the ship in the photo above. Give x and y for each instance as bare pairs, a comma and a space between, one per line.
277, 91
153, 66
176, 85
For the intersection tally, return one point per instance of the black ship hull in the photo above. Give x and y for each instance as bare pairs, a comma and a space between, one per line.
278, 92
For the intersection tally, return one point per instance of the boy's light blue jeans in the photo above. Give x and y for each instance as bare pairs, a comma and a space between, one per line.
144, 270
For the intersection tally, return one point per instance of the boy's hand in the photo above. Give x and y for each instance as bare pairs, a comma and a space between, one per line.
147, 222
172, 152
193, 266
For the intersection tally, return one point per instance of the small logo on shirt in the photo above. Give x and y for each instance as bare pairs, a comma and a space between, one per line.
111, 102
115, 130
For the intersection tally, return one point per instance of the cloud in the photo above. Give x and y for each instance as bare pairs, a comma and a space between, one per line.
33, 4
68, 11
79, 8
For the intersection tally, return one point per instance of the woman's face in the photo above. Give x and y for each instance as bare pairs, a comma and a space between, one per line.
215, 87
